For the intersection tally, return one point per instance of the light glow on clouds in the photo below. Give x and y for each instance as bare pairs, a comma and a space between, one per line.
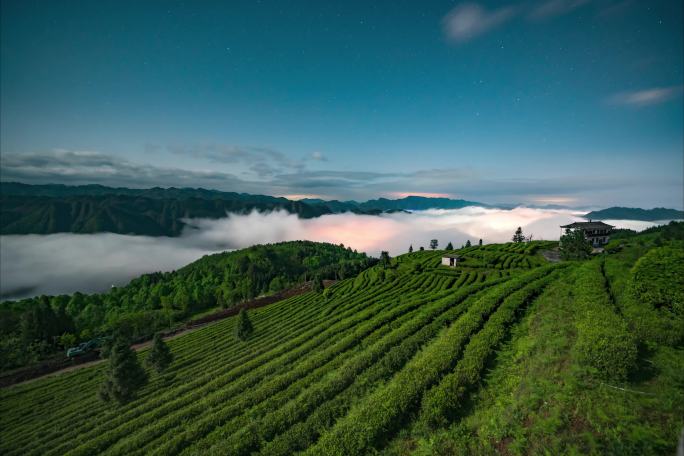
65, 263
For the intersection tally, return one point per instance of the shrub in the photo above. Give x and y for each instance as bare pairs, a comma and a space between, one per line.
160, 356
243, 328
124, 374
604, 343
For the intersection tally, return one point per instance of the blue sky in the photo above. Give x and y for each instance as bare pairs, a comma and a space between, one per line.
575, 102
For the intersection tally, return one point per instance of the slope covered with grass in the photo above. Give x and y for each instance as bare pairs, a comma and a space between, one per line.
495, 355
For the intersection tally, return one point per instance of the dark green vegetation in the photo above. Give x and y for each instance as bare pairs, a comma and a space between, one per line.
573, 245
243, 327
45, 209
496, 355
31, 329
160, 356
124, 374
635, 213
52, 208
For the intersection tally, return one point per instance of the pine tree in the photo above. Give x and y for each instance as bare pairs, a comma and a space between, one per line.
450, 246
160, 356
518, 236
480, 244
468, 244
384, 258
244, 326
125, 375
433, 244
411, 248
317, 285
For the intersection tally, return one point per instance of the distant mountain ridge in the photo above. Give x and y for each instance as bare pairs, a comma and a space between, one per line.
57, 208
635, 213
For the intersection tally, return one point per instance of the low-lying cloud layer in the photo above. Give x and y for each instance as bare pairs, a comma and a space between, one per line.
65, 263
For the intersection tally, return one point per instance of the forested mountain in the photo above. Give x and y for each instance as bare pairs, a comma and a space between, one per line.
29, 328
635, 213
505, 353
128, 214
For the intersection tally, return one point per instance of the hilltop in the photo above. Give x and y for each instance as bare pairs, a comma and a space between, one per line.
635, 213
505, 353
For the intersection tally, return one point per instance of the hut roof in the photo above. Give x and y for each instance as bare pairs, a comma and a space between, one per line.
588, 225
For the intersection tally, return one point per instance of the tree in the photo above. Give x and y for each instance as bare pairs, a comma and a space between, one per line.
411, 248
125, 375
67, 340
317, 285
244, 327
468, 244
480, 244
573, 245
450, 246
384, 258
518, 237
433, 244
160, 356
422, 248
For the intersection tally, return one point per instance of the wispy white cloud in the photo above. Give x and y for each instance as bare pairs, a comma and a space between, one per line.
469, 20
318, 156
646, 97
553, 8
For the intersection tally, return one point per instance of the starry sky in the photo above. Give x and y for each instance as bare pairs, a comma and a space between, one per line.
569, 102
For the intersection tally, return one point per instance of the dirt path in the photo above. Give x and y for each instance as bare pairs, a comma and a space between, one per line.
97, 361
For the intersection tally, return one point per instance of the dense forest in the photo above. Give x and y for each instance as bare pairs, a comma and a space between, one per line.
36, 327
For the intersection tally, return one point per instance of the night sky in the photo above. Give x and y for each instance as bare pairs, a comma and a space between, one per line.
571, 102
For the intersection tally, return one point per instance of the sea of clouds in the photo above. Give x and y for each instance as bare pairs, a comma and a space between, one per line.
64, 263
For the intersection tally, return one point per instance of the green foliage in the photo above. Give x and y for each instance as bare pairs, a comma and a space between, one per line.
160, 357
449, 246
434, 243
157, 301
410, 250
573, 245
413, 358
604, 343
124, 375
518, 237
656, 292
243, 327
317, 285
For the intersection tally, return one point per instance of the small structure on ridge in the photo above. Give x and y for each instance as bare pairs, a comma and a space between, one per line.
597, 233
451, 259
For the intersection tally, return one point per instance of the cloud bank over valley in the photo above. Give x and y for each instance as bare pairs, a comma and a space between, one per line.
65, 263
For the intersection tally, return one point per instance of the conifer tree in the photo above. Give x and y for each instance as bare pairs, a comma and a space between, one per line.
480, 244
125, 375
518, 236
244, 327
468, 244
317, 285
160, 356
449, 246
411, 248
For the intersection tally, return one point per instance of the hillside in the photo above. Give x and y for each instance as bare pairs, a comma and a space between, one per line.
125, 214
505, 354
635, 213
30, 328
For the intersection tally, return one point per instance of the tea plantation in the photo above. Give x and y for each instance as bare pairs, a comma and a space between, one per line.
504, 354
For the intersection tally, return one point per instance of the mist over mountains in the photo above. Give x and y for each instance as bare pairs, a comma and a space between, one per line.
56, 208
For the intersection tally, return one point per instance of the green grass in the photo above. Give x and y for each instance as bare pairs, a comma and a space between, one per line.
479, 359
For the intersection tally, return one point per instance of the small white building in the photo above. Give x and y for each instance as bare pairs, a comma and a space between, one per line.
451, 260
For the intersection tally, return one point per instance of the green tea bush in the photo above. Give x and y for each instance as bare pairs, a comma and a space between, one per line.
604, 342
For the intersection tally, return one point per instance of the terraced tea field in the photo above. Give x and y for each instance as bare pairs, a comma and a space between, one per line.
500, 354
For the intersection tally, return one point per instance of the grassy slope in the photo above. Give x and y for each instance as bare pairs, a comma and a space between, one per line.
354, 372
